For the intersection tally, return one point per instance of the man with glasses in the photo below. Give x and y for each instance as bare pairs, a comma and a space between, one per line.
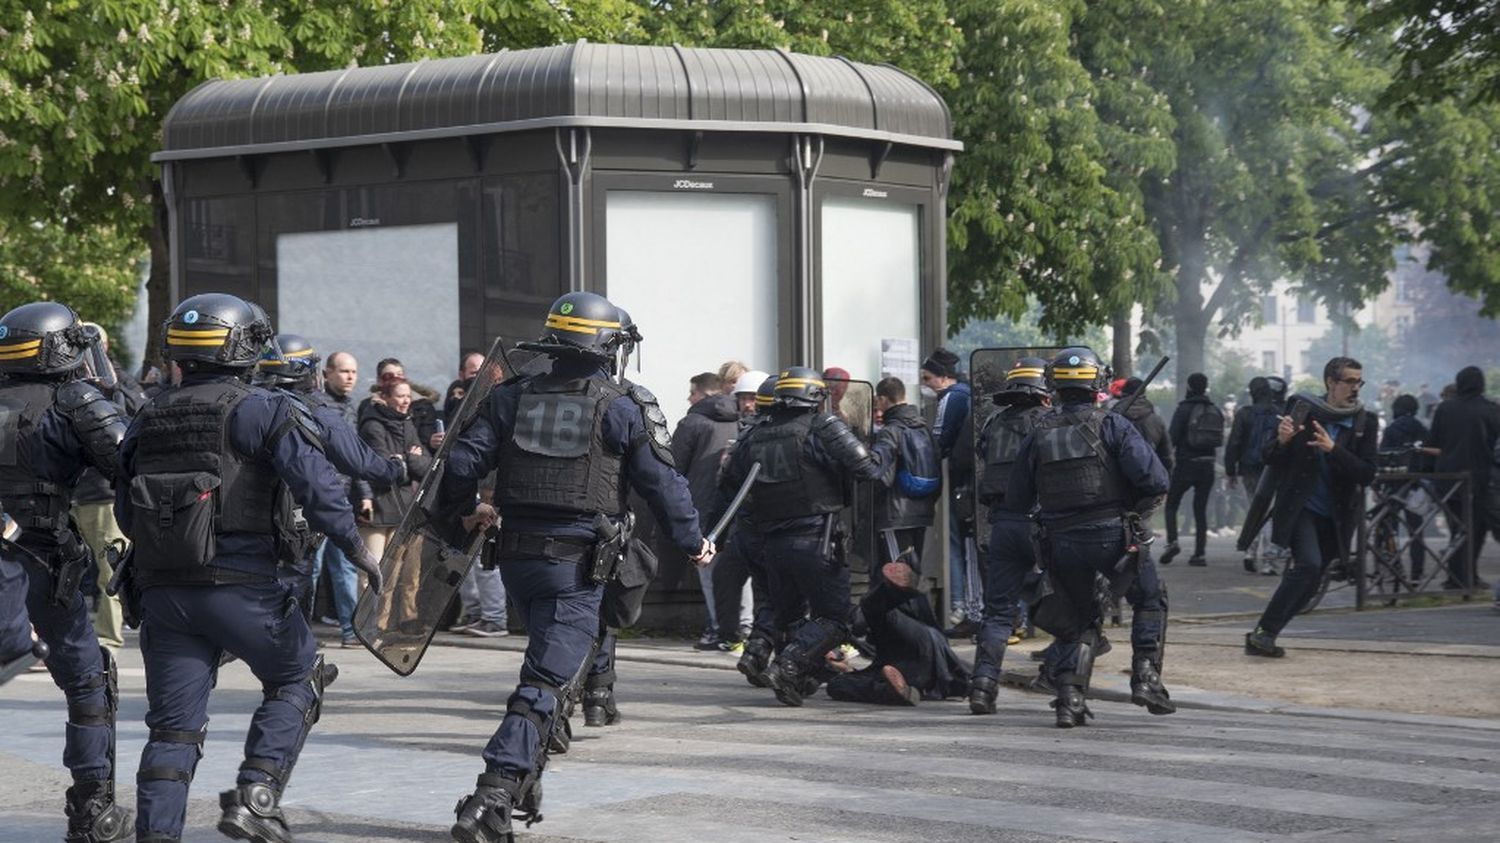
1322, 457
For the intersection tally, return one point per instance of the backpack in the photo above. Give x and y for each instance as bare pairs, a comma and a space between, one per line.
920, 475
1205, 427
1263, 423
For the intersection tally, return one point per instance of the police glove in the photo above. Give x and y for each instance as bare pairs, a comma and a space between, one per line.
370, 564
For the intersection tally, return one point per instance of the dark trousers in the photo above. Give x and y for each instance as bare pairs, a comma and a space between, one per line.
1079, 554
1477, 531
1147, 596
1313, 537
74, 661
185, 631
1011, 556
1198, 475
561, 608
800, 576
743, 560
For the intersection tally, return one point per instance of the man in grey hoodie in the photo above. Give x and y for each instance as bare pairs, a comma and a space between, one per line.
698, 445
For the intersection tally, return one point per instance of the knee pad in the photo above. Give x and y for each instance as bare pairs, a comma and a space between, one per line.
159, 773
557, 735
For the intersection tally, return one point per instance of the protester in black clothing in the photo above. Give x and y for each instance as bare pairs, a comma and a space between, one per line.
1253, 428
913, 660
1197, 431
388, 429
1322, 457
1142, 413
1407, 432
698, 446
911, 476
1464, 431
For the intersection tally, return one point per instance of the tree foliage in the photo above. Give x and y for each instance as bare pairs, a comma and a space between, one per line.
1044, 199
94, 270
1442, 48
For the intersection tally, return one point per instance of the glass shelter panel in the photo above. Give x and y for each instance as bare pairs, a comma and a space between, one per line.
376, 292
871, 282
698, 274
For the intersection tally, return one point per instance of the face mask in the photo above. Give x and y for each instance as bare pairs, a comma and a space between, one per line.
928, 393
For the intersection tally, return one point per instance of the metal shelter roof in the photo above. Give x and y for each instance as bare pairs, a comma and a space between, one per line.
582, 84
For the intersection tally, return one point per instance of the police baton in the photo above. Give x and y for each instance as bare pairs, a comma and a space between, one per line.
734, 505
1141, 390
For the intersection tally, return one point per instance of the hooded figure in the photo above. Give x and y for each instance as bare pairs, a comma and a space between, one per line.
1464, 430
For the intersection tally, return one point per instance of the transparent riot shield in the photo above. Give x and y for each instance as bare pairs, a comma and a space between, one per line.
428, 555
854, 402
987, 368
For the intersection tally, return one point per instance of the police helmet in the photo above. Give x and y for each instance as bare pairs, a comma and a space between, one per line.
1077, 367
581, 324
799, 386
765, 394
289, 361
45, 338
217, 328
1026, 379
1276, 384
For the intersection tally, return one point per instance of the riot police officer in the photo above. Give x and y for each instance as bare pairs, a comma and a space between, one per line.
1091, 474
1011, 557
290, 364
216, 476
808, 459
568, 445
54, 423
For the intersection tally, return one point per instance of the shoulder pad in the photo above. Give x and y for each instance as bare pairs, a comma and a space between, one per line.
75, 394
656, 423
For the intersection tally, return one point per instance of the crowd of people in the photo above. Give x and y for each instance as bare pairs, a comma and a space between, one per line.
260, 466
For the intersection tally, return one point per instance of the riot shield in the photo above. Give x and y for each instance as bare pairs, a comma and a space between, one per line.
987, 368
428, 555
854, 402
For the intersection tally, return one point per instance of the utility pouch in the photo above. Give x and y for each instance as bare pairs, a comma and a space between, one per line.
610, 547
172, 519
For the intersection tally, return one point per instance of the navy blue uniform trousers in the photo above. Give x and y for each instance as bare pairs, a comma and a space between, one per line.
74, 661
1011, 557
800, 576
561, 608
1078, 553
184, 632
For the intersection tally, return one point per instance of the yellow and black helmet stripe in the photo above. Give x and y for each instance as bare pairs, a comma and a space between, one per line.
1075, 373
20, 350
197, 336
559, 322
795, 383
1024, 372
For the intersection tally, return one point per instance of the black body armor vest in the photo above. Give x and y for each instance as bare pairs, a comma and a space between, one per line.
1073, 470
38, 506
190, 485
1002, 436
789, 485
556, 458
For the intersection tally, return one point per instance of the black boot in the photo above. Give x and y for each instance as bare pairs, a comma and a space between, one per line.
1071, 708
754, 661
982, 693
1169, 553
787, 681
252, 812
1262, 643
484, 815
93, 816
599, 707
1146, 688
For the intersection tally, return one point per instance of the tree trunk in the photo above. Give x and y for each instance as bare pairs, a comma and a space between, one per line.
1191, 323
1121, 358
158, 282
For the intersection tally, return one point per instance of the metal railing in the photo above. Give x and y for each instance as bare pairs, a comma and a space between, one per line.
1401, 550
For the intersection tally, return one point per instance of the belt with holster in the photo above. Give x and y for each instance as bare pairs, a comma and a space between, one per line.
554, 548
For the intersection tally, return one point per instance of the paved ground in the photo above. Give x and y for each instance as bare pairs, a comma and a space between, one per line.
702, 756
1348, 739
